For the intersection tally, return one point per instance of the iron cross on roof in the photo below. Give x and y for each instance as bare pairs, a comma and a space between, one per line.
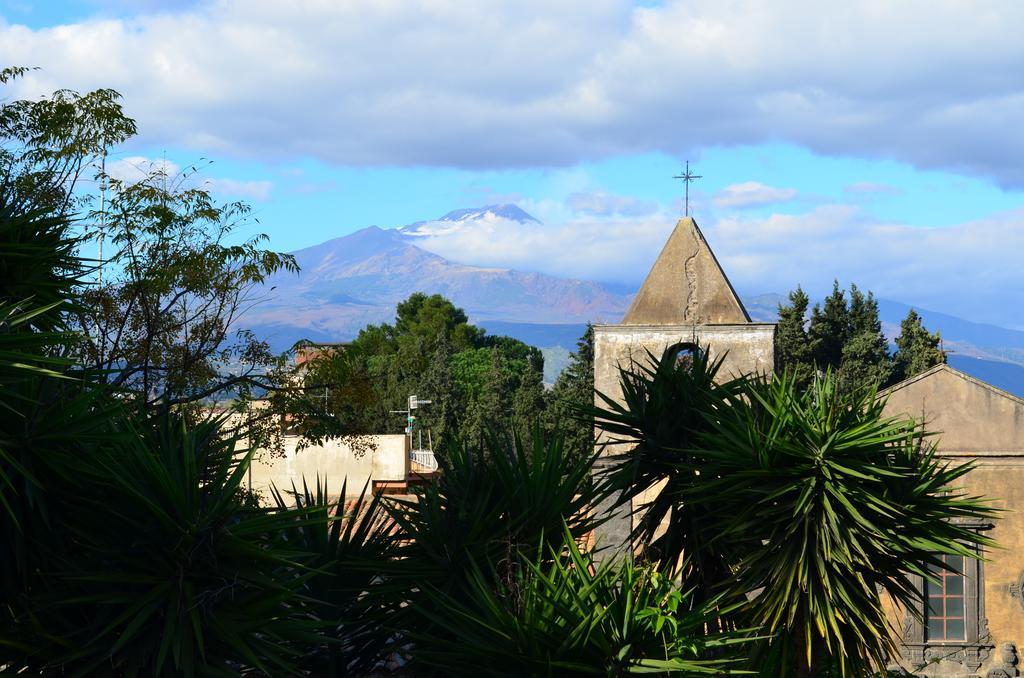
687, 177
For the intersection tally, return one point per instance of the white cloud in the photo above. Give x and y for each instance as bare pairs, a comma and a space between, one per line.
136, 168
233, 188
752, 194
971, 269
600, 203
536, 83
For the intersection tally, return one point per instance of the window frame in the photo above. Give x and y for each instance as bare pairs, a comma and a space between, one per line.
974, 649
945, 576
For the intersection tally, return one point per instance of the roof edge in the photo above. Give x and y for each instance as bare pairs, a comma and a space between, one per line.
945, 367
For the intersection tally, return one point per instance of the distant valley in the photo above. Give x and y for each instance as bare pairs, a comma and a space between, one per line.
351, 281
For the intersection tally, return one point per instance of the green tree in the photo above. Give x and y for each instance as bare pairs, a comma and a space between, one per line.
442, 416
845, 338
799, 506
474, 380
792, 346
866, 359
917, 349
163, 324
829, 330
828, 503
48, 144
572, 396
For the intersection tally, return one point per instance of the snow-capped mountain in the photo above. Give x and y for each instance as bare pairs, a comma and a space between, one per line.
469, 216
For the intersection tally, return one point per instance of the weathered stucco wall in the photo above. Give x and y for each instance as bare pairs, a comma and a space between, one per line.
748, 348
334, 461
981, 423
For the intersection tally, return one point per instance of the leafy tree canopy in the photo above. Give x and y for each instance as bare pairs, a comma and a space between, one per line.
473, 379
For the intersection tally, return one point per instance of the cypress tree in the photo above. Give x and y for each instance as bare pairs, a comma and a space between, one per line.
917, 349
865, 355
829, 330
792, 349
438, 385
575, 387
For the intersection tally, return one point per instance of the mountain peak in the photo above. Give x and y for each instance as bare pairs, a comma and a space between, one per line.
503, 210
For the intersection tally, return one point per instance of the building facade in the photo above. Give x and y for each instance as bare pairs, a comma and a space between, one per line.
974, 619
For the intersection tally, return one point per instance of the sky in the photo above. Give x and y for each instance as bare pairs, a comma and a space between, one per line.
871, 142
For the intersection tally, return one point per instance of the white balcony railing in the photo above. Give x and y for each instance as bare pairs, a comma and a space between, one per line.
424, 458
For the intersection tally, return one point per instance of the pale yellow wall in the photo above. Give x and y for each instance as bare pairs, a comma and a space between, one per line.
975, 418
335, 461
981, 424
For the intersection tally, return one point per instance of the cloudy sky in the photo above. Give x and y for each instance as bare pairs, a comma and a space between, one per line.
879, 142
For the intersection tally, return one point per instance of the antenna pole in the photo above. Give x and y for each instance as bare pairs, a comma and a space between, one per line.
103, 213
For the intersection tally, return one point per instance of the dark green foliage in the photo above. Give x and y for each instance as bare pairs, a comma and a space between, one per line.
792, 346
866, 358
38, 264
847, 339
811, 499
829, 330
562, 614
475, 380
917, 349
654, 429
830, 503
343, 587
168, 575
492, 502
572, 396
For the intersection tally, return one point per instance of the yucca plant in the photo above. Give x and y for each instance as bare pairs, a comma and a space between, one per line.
564, 614
667, 402
491, 502
43, 408
166, 573
830, 503
348, 543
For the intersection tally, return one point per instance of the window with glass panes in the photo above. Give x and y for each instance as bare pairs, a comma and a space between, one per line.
945, 615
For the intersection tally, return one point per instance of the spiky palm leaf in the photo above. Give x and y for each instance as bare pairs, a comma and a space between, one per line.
830, 502
651, 433
348, 542
168, 575
563, 614
491, 502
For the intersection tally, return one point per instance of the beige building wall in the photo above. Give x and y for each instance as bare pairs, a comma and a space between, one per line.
976, 422
335, 461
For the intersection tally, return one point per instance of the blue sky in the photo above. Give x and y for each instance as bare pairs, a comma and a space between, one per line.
873, 143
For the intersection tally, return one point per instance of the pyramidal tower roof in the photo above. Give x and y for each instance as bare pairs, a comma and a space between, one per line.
686, 285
